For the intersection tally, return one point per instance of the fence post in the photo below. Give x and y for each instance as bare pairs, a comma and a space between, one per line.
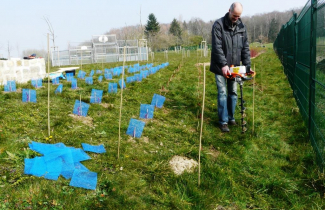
294, 54
311, 126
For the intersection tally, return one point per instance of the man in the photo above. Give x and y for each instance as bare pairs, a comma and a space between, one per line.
229, 47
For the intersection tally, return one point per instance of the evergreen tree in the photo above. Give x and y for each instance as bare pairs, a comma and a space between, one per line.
175, 28
152, 27
274, 30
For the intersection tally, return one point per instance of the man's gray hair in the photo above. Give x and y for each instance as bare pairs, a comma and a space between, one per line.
233, 5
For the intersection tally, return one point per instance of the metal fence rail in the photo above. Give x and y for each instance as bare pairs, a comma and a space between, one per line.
300, 46
102, 48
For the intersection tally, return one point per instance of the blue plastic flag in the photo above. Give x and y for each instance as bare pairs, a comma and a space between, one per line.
108, 76
37, 83
100, 78
135, 128
81, 74
56, 81
146, 111
69, 76
158, 100
91, 148
137, 77
89, 80
129, 79
96, 96
29, 95
59, 89
10, 86
80, 108
92, 73
74, 84
120, 83
112, 87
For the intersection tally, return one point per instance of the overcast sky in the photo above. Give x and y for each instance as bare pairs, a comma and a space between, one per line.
23, 26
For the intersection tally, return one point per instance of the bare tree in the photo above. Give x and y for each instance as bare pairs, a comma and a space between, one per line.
51, 30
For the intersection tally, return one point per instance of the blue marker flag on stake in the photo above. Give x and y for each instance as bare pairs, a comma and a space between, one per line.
146, 111
81, 74
108, 76
10, 86
84, 179
129, 79
59, 89
37, 83
137, 77
69, 76
56, 81
29, 95
100, 78
92, 73
96, 96
91, 148
89, 80
120, 83
135, 128
80, 108
74, 84
112, 87
158, 100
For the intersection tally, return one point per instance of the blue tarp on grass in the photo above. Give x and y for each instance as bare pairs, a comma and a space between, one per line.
91, 148
59, 159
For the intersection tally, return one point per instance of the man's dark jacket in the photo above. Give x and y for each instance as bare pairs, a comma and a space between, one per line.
229, 47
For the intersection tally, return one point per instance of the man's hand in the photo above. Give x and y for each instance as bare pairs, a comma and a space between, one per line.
225, 71
250, 72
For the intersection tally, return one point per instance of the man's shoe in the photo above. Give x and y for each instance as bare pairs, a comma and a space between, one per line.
224, 128
232, 122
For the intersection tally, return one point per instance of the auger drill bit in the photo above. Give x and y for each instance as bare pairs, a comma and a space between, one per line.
240, 78
242, 108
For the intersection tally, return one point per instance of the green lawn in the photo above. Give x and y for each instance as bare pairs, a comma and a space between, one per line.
272, 168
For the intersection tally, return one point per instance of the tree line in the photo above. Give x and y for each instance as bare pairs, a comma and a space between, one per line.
261, 28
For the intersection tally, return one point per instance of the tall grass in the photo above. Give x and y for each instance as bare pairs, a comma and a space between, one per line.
272, 168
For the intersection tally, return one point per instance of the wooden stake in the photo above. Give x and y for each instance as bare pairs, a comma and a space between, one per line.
200, 147
253, 99
48, 84
119, 127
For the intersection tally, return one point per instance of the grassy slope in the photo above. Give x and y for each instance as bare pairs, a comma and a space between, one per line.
270, 168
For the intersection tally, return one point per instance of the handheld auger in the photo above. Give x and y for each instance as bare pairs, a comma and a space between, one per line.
239, 74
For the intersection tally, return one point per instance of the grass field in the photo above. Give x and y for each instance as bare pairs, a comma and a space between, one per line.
270, 168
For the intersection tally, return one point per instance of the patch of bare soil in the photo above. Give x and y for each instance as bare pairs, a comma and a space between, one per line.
180, 164
85, 120
213, 152
131, 140
105, 105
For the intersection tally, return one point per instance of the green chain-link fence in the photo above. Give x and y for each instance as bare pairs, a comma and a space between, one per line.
300, 45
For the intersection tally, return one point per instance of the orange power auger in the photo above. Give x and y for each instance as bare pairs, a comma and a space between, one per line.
240, 75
